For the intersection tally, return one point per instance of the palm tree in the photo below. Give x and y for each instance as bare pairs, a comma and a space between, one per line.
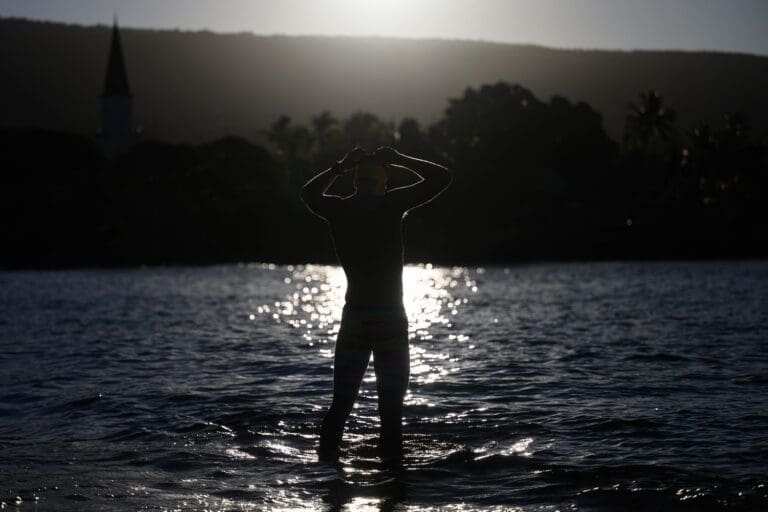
367, 130
294, 146
652, 156
323, 126
648, 122
279, 133
322, 123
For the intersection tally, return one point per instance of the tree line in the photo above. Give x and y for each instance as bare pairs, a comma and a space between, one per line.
533, 180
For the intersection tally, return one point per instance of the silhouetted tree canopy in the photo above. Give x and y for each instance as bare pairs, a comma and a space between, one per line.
533, 179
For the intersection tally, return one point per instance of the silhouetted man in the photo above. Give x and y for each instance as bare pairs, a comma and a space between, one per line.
367, 232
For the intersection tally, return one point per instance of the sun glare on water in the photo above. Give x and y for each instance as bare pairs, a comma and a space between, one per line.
308, 308
316, 300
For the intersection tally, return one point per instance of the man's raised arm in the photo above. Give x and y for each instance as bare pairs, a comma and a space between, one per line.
434, 178
313, 192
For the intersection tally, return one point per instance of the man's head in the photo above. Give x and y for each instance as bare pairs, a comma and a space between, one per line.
370, 178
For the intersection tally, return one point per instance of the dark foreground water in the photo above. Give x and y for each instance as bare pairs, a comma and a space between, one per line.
638, 386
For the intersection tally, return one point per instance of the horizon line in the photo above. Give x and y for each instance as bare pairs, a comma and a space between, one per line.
390, 37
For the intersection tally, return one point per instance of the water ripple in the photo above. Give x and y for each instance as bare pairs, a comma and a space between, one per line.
541, 387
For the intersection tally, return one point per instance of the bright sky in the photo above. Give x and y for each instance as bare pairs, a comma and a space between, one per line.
728, 25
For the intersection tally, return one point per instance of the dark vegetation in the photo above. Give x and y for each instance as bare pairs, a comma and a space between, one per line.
533, 180
194, 87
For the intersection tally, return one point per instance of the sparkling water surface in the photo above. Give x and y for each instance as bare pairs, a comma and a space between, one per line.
608, 386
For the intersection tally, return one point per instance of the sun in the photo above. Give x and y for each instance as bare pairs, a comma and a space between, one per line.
376, 17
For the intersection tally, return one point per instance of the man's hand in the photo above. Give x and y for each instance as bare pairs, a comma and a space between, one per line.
387, 155
352, 158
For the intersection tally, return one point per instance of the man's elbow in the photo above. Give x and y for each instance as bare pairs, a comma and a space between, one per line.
440, 184
309, 202
446, 179
305, 195
311, 206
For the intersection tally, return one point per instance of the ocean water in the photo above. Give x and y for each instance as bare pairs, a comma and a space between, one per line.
610, 386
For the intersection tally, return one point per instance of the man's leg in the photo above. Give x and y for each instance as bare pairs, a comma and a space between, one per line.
349, 365
392, 364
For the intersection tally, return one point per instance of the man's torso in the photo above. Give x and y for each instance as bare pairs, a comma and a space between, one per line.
367, 235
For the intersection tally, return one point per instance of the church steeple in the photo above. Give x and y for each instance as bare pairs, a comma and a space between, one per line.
116, 80
117, 129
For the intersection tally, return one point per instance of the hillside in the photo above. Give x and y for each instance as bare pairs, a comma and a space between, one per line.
195, 86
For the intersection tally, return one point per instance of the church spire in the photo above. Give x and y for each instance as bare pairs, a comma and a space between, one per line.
116, 102
116, 80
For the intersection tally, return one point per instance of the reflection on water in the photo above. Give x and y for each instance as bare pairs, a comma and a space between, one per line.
430, 299
545, 387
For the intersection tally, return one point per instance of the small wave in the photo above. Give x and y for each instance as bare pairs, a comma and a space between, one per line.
180, 461
237, 494
121, 455
694, 499
129, 433
661, 357
468, 460
636, 472
76, 497
638, 425
84, 402
751, 380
